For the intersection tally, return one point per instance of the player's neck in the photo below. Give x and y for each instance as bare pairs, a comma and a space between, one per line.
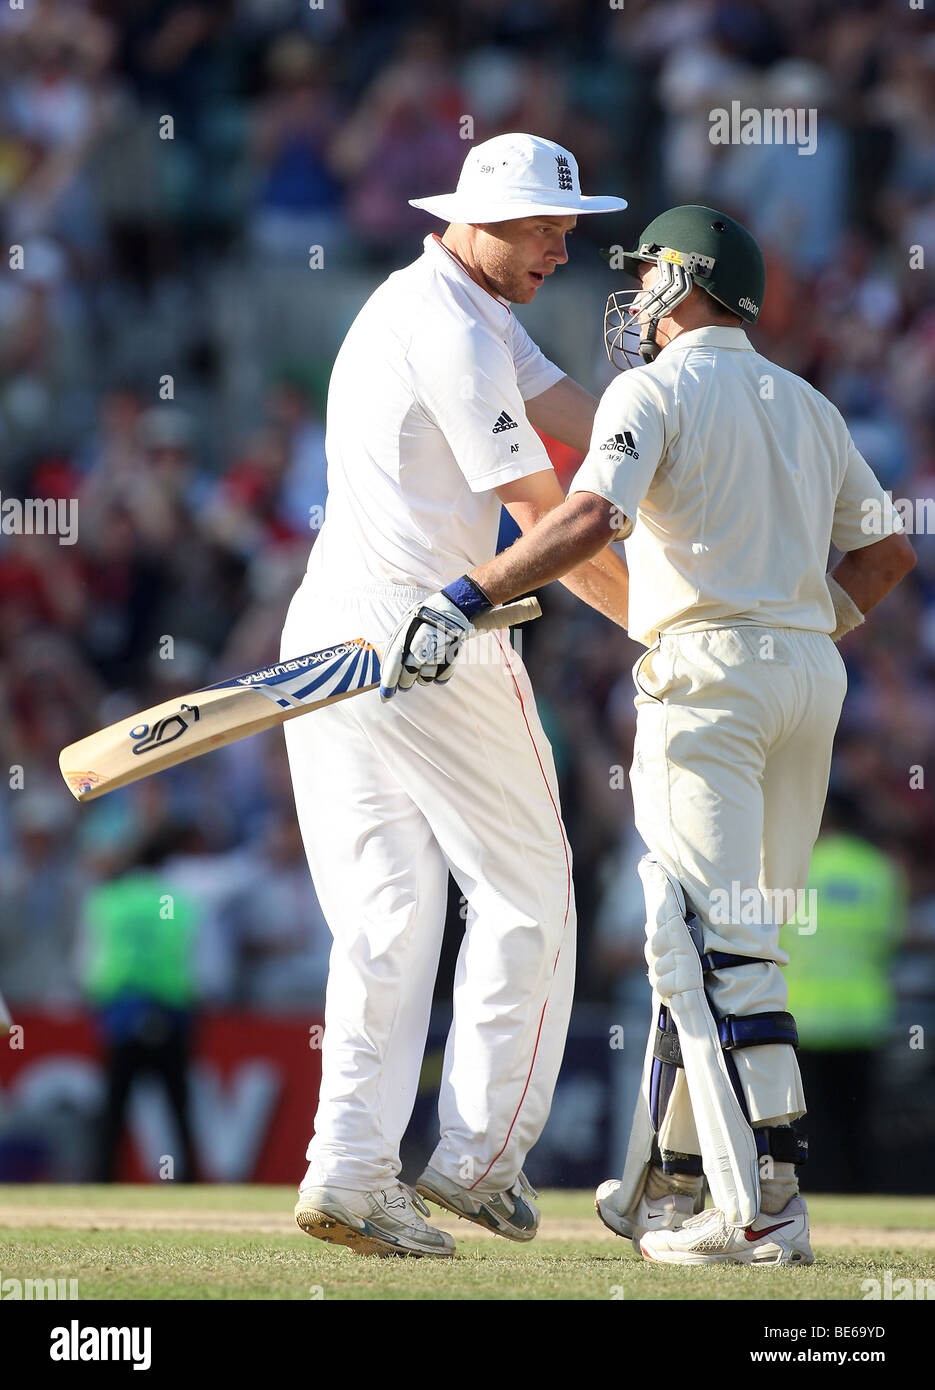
669, 329
459, 246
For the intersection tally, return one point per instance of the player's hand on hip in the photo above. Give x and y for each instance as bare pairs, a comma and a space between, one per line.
429, 636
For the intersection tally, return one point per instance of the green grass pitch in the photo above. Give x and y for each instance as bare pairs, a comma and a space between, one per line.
170, 1242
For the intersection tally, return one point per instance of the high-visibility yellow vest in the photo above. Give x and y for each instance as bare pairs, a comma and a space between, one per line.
839, 974
141, 939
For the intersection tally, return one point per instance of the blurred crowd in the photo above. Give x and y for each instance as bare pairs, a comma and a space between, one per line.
165, 348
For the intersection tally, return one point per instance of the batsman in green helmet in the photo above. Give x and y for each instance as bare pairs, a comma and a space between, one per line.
728, 478
692, 246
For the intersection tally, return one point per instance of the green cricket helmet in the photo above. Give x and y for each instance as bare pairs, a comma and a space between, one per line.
692, 245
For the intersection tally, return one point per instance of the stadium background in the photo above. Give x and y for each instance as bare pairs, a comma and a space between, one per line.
147, 258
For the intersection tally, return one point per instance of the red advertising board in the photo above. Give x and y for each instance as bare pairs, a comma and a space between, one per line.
254, 1089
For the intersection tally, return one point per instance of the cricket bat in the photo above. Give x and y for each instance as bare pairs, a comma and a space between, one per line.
190, 725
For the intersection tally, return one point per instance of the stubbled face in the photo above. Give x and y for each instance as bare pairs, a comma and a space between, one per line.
649, 274
693, 312
516, 256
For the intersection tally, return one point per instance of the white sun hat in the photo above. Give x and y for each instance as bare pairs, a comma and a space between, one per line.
516, 176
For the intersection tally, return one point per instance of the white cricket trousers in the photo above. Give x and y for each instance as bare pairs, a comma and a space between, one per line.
390, 797
730, 773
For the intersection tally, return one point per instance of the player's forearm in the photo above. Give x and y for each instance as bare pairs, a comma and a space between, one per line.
565, 412
604, 583
563, 540
869, 574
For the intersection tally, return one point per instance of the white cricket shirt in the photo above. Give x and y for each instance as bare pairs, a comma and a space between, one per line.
425, 418
735, 475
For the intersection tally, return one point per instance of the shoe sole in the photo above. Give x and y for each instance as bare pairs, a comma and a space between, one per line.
782, 1258
324, 1225
481, 1218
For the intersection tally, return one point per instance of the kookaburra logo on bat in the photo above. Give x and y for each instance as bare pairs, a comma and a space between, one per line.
166, 730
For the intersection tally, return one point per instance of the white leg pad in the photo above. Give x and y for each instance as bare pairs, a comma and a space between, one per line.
640, 1146
728, 1148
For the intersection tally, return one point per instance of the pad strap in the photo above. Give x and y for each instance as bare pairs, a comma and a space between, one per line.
750, 1030
723, 960
671, 1161
667, 1047
689, 1165
782, 1143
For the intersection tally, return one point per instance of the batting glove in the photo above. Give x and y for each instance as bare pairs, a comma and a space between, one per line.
427, 641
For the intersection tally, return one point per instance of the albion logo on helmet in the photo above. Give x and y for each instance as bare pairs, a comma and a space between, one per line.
620, 444
749, 305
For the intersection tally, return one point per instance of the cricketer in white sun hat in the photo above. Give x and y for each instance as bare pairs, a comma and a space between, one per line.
516, 176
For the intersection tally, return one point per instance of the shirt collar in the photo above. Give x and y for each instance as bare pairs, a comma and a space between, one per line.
712, 335
450, 265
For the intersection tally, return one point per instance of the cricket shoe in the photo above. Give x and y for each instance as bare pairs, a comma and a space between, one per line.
666, 1213
706, 1239
512, 1213
388, 1221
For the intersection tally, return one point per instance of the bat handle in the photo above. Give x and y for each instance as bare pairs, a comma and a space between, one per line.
522, 610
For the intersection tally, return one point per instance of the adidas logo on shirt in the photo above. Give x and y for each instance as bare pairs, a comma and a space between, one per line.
504, 422
621, 444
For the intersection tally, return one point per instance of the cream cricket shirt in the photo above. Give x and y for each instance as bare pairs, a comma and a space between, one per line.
425, 417
735, 475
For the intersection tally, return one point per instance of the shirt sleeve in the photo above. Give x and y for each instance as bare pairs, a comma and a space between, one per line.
534, 372
469, 388
863, 512
627, 445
